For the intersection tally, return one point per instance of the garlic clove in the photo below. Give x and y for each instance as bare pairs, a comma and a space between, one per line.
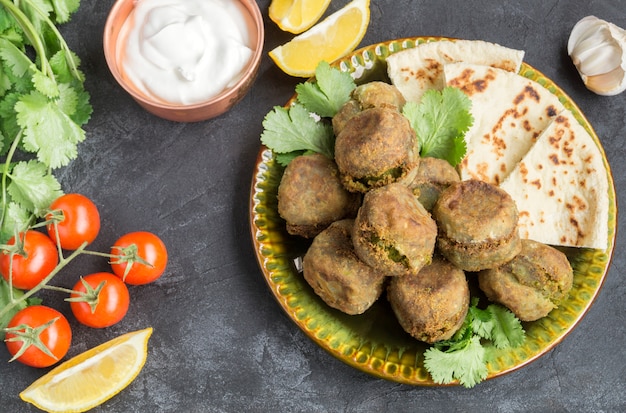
598, 50
604, 84
598, 60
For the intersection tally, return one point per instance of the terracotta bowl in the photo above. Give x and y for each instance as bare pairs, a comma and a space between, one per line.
208, 109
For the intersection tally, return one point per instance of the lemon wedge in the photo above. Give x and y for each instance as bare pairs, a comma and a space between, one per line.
296, 16
89, 379
329, 40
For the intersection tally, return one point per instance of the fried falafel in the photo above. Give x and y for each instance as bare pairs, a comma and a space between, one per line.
311, 196
393, 233
376, 147
431, 305
532, 284
369, 95
477, 224
433, 176
337, 275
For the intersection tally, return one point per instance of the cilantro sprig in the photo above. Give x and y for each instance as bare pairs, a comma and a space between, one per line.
43, 105
464, 357
304, 126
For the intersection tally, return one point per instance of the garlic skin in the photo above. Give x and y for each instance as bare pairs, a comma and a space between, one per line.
598, 50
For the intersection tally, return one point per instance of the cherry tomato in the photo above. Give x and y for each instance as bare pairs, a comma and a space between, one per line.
37, 259
144, 252
80, 221
28, 326
110, 302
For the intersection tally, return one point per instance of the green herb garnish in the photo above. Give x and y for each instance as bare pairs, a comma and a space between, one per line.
328, 93
305, 125
464, 357
440, 121
43, 105
295, 129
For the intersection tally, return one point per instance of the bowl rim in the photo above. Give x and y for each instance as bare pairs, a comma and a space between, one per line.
246, 75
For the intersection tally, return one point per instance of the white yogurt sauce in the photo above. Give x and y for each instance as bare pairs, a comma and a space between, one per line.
184, 51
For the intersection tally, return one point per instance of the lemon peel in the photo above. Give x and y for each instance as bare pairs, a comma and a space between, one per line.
93, 377
296, 16
332, 38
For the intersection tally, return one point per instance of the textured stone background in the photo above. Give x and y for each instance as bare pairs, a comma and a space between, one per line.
221, 343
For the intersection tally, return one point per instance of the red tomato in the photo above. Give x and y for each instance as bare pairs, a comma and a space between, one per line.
111, 301
80, 221
29, 326
37, 259
144, 252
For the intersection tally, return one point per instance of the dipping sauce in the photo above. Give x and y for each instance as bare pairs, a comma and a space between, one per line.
184, 51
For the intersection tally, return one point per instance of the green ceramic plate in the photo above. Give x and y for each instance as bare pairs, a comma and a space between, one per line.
374, 342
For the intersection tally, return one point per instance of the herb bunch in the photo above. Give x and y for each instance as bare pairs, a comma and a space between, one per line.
43, 105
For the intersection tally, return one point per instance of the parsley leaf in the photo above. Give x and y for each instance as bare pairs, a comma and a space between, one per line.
295, 129
440, 121
328, 93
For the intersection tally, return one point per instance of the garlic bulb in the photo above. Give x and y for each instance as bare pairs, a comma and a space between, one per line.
598, 50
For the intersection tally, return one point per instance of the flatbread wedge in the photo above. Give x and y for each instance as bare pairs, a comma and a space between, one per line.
561, 188
510, 112
415, 70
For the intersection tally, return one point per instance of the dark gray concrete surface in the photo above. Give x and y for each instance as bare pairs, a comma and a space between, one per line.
221, 343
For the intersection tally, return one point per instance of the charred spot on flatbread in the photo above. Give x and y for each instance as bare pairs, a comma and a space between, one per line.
510, 112
418, 69
561, 187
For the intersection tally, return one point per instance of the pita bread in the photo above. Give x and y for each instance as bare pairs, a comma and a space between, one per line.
561, 188
415, 70
510, 112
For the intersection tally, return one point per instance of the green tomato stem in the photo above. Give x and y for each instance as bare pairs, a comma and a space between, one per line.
62, 263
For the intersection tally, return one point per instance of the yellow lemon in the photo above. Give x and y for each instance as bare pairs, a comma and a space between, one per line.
332, 38
296, 16
92, 377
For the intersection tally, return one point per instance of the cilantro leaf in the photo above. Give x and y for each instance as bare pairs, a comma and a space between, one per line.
481, 322
466, 364
32, 186
464, 357
48, 131
14, 58
440, 121
328, 93
507, 329
63, 9
17, 219
295, 129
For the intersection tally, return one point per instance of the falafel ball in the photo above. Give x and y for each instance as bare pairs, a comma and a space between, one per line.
532, 284
337, 275
393, 233
433, 176
376, 147
311, 196
432, 304
477, 224
369, 95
